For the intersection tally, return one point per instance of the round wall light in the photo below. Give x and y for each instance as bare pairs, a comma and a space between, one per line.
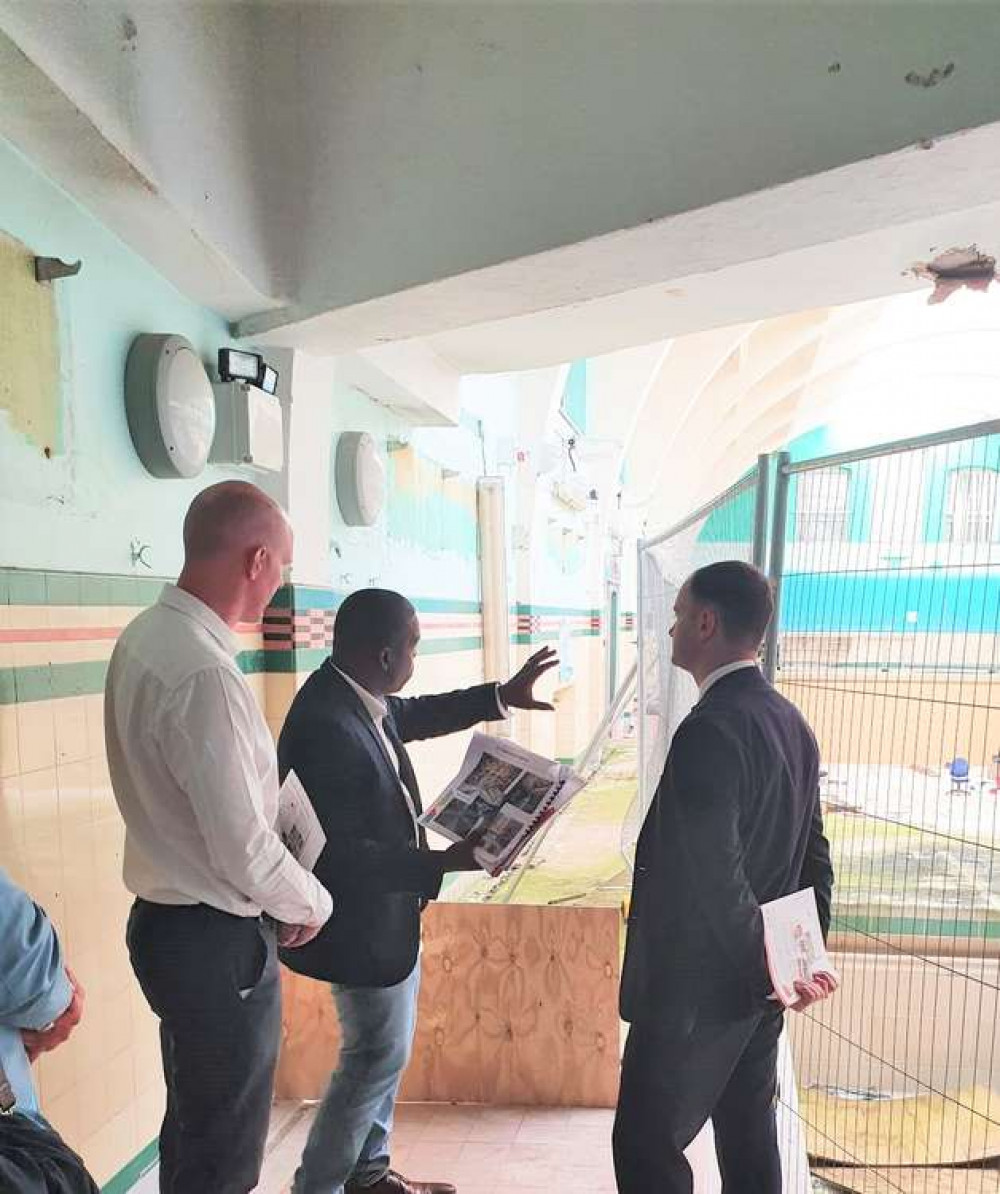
169, 405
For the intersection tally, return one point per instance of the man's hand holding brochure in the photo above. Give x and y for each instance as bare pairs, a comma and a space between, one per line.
503, 794
800, 968
300, 830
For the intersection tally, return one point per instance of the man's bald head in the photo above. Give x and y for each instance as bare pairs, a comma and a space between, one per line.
229, 518
237, 549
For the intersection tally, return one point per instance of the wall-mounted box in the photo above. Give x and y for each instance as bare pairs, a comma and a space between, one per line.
249, 427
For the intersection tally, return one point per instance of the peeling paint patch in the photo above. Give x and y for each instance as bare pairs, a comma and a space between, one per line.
957, 269
930, 78
29, 350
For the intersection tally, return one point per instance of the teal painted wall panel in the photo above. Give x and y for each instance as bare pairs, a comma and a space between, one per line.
574, 397
879, 602
80, 509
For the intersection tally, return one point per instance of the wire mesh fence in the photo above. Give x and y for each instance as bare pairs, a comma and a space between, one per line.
887, 569
887, 639
730, 527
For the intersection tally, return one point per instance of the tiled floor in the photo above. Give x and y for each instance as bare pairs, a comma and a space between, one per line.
482, 1150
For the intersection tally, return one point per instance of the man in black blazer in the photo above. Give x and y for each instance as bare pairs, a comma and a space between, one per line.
735, 822
344, 739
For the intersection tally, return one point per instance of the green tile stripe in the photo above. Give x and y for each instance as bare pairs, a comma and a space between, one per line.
444, 646
50, 681
302, 597
137, 1168
548, 611
47, 681
21, 586
919, 926
306, 659
24, 586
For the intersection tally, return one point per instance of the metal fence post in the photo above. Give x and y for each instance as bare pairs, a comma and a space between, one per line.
760, 512
640, 644
777, 567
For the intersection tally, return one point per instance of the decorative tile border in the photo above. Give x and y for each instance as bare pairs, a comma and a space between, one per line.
545, 623
70, 658
298, 627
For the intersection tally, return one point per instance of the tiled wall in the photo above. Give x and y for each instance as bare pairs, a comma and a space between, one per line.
62, 838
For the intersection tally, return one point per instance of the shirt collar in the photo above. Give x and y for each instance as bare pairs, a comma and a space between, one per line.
186, 603
375, 706
725, 670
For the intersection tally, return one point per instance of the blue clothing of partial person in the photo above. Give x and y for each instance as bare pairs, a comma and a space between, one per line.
34, 988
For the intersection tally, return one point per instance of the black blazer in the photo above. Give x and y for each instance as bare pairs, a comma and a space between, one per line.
735, 822
379, 872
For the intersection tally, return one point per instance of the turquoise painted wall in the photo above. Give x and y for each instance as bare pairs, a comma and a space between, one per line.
426, 542
930, 601
574, 397
942, 462
80, 509
937, 464
934, 599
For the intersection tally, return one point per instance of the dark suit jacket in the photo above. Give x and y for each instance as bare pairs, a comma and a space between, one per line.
735, 822
379, 872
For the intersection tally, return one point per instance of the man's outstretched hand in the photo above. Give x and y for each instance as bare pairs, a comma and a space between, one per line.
518, 692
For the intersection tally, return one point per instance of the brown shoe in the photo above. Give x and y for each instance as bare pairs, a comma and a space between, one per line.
392, 1182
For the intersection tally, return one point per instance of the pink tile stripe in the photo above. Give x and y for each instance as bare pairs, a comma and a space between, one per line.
85, 634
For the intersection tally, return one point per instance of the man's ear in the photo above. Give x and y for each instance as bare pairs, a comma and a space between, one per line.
255, 562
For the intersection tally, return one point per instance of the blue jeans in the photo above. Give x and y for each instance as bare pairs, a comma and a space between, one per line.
349, 1139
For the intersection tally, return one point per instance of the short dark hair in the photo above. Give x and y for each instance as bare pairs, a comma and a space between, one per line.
370, 619
740, 593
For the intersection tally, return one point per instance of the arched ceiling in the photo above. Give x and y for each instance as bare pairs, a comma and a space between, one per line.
869, 373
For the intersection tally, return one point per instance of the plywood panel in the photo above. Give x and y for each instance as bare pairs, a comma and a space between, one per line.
518, 1006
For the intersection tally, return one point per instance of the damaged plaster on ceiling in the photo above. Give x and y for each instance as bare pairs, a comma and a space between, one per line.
957, 269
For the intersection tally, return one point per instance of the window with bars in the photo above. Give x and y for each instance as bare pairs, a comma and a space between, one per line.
822, 505
971, 506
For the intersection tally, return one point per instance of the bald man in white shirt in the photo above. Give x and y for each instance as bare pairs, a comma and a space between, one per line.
195, 775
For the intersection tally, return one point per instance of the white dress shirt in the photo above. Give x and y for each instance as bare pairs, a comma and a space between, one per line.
377, 709
725, 670
194, 771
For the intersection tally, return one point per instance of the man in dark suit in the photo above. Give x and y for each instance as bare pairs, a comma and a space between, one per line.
735, 822
344, 739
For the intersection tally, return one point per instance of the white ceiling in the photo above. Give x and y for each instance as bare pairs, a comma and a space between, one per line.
518, 184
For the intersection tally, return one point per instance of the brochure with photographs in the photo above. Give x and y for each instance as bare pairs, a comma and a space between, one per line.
793, 942
505, 790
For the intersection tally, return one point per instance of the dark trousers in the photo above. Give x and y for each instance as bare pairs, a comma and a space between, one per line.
212, 979
34, 1159
679, 1074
